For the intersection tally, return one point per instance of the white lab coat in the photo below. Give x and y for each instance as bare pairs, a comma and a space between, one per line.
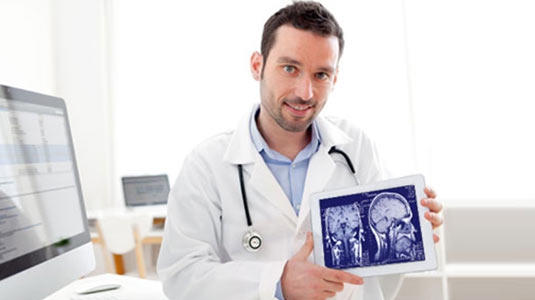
202, 254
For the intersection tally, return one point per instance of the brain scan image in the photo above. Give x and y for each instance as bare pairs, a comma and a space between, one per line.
390, 220
344, 234
371, 228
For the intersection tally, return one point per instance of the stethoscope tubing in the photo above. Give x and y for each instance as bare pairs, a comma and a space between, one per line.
244, 197
251, 233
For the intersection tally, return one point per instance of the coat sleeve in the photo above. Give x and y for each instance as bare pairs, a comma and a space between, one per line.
192, 263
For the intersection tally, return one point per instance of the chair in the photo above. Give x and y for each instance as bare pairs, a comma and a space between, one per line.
122, 233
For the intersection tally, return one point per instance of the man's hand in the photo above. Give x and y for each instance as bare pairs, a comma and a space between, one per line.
435, 207
302, 279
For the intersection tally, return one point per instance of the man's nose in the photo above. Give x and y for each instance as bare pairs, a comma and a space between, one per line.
304, 89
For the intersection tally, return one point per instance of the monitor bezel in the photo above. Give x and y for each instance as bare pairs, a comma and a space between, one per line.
76, 251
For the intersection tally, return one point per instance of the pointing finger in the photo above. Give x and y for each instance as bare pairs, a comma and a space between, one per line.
341, 276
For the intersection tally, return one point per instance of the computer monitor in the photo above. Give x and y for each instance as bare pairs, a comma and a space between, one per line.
145, 190
44, 235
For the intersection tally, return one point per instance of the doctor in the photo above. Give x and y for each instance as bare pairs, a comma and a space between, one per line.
238, 217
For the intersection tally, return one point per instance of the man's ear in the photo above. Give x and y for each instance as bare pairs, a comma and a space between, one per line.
256, 65
335, 78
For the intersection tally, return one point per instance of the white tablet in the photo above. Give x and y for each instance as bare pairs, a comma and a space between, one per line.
374, 229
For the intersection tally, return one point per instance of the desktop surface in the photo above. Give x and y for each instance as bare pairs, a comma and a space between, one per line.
131, 288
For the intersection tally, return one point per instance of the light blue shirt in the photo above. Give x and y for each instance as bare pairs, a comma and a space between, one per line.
290, 175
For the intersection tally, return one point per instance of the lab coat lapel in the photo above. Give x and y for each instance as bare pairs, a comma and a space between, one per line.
262, 184
265, 185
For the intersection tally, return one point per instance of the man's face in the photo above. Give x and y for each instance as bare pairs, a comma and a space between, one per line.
298, 76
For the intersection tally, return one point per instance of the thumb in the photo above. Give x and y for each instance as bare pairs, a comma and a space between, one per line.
306, 249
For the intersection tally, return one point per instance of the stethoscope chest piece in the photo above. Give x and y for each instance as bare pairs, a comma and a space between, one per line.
252, 241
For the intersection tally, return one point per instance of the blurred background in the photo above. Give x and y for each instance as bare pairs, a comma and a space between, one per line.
445, 88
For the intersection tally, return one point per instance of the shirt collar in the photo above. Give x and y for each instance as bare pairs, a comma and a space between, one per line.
261, 145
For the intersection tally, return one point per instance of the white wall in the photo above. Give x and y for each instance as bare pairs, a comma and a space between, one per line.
80, 30
181, 74
59, 47
26, 47
472, 72
444, 88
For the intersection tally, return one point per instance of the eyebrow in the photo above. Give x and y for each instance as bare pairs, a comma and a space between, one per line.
289, 60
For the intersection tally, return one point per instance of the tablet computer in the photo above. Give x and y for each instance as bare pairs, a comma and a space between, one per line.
374, 229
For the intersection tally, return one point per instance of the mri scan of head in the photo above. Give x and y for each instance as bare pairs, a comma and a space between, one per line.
390, 220
344, 234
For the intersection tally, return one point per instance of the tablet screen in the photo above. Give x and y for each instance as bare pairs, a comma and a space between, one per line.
379, 225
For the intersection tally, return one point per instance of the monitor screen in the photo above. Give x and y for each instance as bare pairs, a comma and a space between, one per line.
44, 236
145, 190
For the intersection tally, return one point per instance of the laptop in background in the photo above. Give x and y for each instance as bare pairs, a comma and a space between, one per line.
147, 193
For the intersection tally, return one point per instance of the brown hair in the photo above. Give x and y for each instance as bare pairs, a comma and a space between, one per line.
305, 15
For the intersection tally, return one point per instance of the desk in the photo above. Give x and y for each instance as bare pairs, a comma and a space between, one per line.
154, 237
132, 288
158, 215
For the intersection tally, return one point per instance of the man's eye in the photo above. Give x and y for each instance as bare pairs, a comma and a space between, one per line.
289, 69
322, 76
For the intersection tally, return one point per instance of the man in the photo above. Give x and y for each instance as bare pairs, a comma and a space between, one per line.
256, 181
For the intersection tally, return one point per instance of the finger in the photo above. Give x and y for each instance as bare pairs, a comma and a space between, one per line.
433, 204
341, 276
435, 219
436, 238
331, 286
430, 192
306, 249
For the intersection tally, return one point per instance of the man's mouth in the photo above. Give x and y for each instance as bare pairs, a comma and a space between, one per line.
299, 107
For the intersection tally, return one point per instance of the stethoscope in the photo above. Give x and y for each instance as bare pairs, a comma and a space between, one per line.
252, 240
